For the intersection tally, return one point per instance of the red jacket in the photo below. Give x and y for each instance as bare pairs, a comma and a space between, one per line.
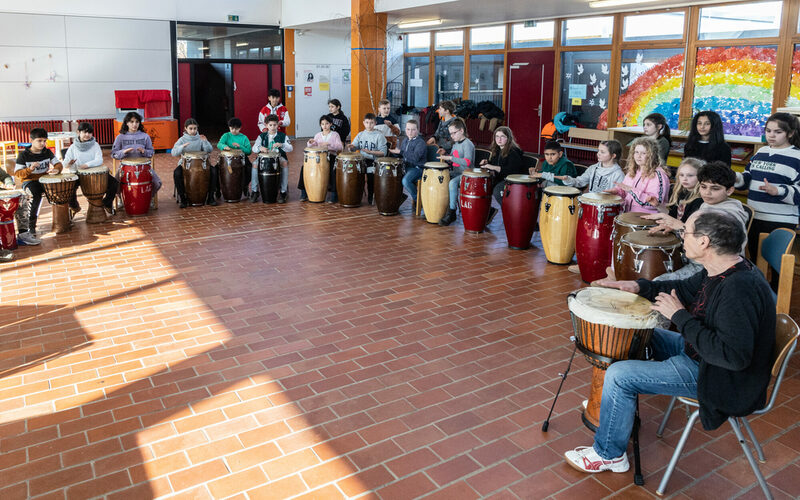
283, 116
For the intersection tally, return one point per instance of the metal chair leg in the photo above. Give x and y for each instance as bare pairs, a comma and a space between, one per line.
738, 430
677, 453
756, 444
660, 431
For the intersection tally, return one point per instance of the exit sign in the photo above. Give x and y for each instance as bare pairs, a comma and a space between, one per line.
233, 19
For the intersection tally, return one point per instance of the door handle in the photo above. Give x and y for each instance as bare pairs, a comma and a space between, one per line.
234, 89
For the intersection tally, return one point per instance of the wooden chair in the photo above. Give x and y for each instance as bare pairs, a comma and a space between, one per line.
118, 202
7, 147
481, 154
775, 255
531, 161
749, 218
786, 337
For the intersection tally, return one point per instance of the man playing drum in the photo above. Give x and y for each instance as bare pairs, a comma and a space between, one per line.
725, 316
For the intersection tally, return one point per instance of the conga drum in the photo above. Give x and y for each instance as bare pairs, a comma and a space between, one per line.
350, 179
316, 173
94, 181
475, 198
136, 185
196, 177
435, 193
624, 224
388, 185
231, 172
520, 210
9, 203
610, 325
269, 176
558, 223
645, 255
593, 244
59, 189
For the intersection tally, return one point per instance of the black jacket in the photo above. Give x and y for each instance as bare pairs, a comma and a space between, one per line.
735, 340
514, 163
705, 151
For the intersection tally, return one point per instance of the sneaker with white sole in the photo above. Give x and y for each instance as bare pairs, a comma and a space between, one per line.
27, 238
585, 459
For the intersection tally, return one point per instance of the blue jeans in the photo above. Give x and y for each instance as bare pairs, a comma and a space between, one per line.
413, 174
672, 373
454, 183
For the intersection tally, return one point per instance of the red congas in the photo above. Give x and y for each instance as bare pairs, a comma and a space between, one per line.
137, 185
475, 198
593, 243
9, 203
520, 210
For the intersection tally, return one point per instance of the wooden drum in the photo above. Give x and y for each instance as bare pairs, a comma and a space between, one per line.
59, 189
94, 182
316, 173
388, 185
435, 192
231, 172
624, 224
196, 177
350, 179
558, 223
645, 255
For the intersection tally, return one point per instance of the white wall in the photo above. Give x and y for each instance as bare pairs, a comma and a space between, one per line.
66, 67
296, 13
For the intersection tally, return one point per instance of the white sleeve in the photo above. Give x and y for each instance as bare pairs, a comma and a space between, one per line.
257, 145
262, 124
98, 157
286, 120
69, 157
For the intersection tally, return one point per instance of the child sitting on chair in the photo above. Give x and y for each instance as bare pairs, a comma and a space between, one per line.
272, 140
192, 142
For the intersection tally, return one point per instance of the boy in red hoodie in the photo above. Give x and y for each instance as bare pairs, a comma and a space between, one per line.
274, 108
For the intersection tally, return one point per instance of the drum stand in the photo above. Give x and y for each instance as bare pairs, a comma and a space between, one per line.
638, 479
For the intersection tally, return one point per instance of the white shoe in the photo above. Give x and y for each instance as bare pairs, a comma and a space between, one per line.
585, 459
585, 403
28, 238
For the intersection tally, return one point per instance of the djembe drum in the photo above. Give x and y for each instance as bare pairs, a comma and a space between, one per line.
9, 203
94, 181
59, 189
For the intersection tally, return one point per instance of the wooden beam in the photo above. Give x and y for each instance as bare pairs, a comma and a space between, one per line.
288, 79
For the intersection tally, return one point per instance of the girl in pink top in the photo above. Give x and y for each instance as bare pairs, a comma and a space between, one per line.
327, 138
646, 185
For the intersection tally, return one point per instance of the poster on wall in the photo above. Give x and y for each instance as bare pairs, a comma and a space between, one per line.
308, 76
307, 91
346, 75
324, 82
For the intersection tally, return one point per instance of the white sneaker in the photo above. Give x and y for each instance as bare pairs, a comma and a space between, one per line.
585, 403
27, 238
6, 255
585, 459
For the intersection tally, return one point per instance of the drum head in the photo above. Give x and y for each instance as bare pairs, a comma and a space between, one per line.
135, 161
349, 156
231, 152
602, 199
54, 179
476, 172
520, 179
315, 150
93, 170
645, 239
634, 219
195, 155
611, 307
388, 160
562, 191
10, 195
438, 165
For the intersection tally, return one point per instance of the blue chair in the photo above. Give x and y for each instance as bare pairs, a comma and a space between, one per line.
775, 255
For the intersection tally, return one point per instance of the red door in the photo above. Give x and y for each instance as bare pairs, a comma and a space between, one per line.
184, 92
250, 88
530, 96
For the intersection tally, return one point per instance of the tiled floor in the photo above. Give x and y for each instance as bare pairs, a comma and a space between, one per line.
311, 351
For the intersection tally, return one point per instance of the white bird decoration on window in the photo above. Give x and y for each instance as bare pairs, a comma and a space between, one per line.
602, 85
579, 69
595, 91
604, 69
639, 57
602, 103
592, 79
624, 71
624, 84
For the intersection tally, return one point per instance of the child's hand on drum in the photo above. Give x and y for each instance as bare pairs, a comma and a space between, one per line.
228, 148
623, 187
483, 162
140, 150
561, 177
533, 173
445, 158
395, 151
263, 149
129, 150
203, 138
667, 304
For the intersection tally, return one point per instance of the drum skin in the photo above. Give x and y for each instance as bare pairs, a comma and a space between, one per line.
388, 185
435, 193
593, 244
316, 173
136, 185
269, 176
231, 170
520, 210
350, 179
558, 223
624, 224
9, 203
645, 255
196, 178
475, 199
93, 185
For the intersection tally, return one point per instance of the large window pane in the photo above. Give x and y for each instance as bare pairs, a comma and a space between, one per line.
651, 81
587, 31
488, 37
737, 83
584, 85
744, 20
228, 42
539, 35
661, 26
449, 40
486, 78
794, 92
449, 74
418, 42
415, 77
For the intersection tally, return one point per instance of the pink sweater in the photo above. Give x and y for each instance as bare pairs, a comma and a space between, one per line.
635, 200
334, 141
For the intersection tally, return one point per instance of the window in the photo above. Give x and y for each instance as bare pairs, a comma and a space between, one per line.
449, 74
745, 20
486, 78
651, 81
415, 78
737, 83
587, 31
449, 40
794, 92
418, 42
489, 37
540, 34
661, 26
584, 86
228, 42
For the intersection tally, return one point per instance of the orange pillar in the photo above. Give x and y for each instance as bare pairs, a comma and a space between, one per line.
288, 78
367, 61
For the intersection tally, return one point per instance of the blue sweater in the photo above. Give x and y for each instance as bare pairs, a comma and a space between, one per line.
413, 152
780, 167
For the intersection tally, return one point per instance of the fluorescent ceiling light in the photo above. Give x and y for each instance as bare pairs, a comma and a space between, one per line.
203, 48
420, 24
599, 4
243, 44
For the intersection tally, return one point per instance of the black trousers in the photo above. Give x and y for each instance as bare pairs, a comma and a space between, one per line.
28, 211
180, 187
301, 184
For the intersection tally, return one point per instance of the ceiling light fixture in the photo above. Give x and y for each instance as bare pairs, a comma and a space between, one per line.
420, 24
243, 44
599, 4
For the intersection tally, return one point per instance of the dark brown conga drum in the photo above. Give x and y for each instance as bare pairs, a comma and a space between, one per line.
610, 325
645, 255
388, 185
196, 177
231, 170
624, 224
350, 179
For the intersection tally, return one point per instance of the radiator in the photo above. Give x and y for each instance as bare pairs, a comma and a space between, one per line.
104, 131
